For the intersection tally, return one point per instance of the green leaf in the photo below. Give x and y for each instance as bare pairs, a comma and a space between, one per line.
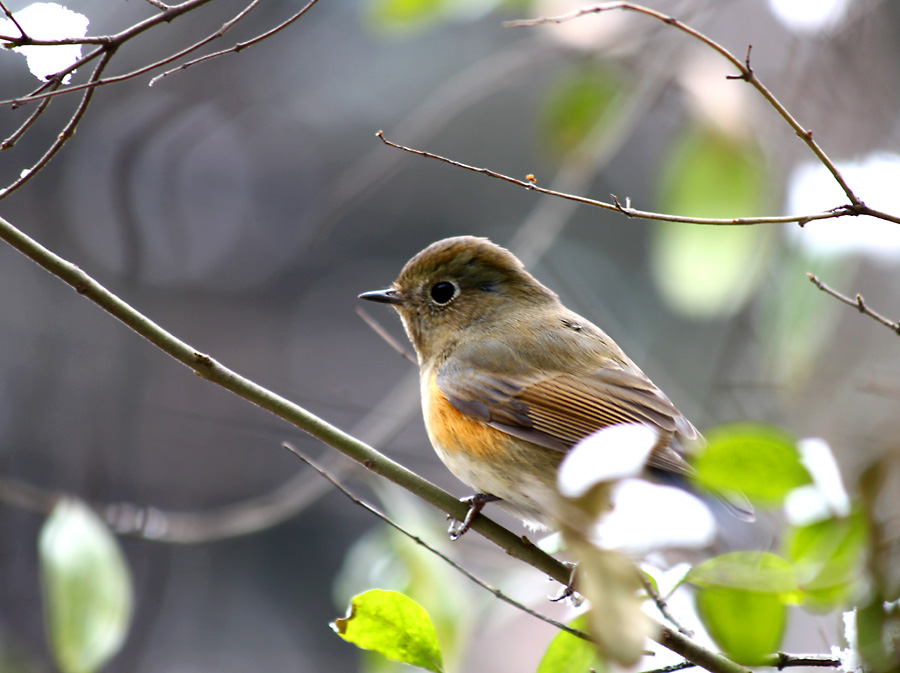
758, 460
571, 654
707, 272
742, 599
748, 625
827, 556
393, 625
86, 588
749, 570
574, 106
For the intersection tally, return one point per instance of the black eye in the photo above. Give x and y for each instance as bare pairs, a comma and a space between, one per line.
443, 292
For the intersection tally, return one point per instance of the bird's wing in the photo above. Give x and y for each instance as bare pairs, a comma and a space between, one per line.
558, 410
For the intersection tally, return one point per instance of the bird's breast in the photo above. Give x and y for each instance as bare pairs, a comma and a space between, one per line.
457, 436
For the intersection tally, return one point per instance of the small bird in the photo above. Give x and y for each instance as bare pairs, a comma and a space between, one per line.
511, 379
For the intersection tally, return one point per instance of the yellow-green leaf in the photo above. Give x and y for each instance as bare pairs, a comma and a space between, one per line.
571, 654
827, 556
742, 600
86, 588
750, 570
393, 625
748, 625
758, 460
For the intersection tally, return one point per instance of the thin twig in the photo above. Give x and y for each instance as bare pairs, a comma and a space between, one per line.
663, 607
626, 209
11, 17
781, 660
64, 135
383, 333
240, 46
228, 25
449, 561
13, 138
107, 47
858, 303
672, 667
10, 42
746, 74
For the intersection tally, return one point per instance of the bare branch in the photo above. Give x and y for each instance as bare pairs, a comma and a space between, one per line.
858, 303
64, 135
228, 25
782, 660
674, 667
10, 42
240, 46
107, 46
663, 607
13, 138
626, 209
9, 15
743, 67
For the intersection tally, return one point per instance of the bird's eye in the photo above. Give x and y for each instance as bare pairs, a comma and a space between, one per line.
443, 292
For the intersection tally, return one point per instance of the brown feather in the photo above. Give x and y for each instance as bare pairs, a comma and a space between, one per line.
558, 411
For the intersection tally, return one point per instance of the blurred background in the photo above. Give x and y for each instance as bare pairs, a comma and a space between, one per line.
245, 202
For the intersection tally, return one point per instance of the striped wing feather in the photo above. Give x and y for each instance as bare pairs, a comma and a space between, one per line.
557, 411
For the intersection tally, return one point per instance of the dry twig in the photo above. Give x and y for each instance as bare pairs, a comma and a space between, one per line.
858, 303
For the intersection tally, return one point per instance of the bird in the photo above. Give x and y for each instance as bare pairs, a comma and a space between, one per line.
511, 379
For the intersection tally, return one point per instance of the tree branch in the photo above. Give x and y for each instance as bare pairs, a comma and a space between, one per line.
11, 17
626, 209
13, 138
858, 303
782, 660
240, 46
63, 136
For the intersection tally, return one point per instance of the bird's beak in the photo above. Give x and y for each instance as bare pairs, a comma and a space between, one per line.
388, 296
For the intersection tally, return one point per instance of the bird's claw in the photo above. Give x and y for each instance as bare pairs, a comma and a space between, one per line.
568, 592
476, 503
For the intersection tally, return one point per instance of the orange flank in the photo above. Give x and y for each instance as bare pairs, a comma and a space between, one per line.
456, 432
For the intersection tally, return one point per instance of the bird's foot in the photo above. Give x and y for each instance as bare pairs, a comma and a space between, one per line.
476, 503
568, 592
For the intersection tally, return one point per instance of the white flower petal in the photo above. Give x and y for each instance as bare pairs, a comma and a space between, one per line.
805, 505
613, 453
817, 458
647, 517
